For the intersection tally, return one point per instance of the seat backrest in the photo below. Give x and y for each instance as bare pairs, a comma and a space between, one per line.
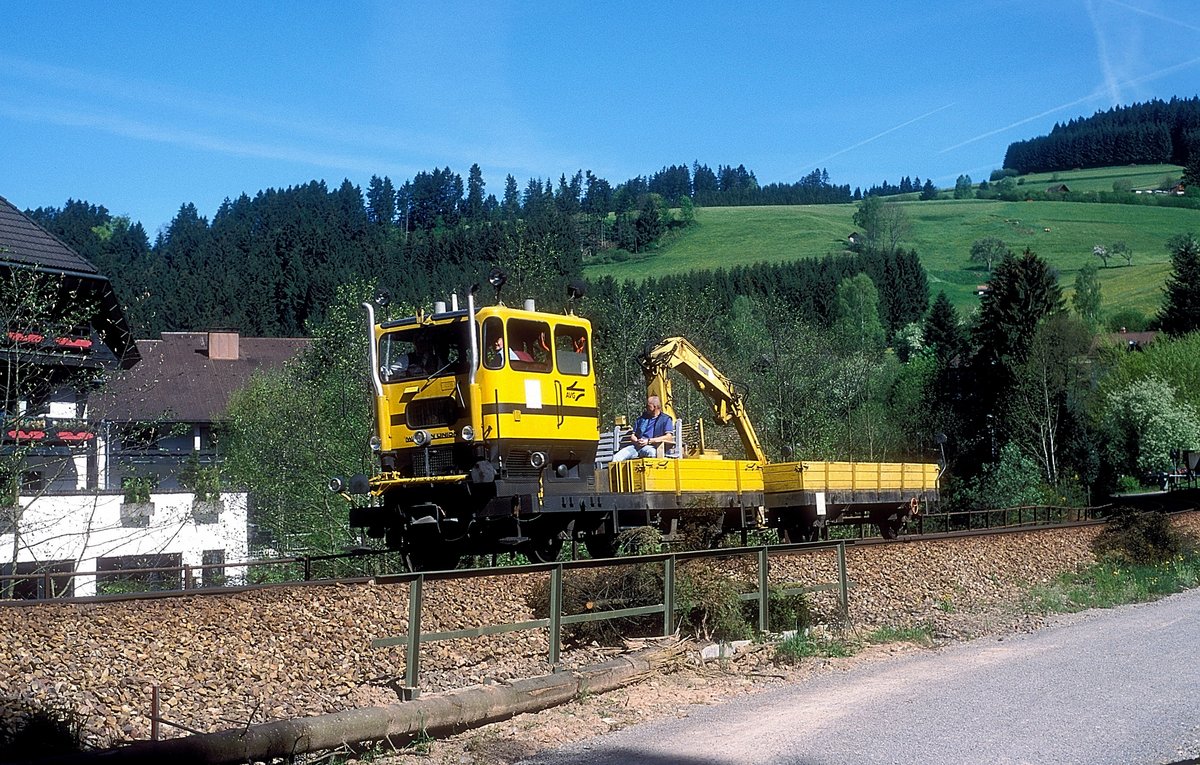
610, 443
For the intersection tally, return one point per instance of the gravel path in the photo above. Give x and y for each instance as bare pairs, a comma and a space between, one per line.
1117, 686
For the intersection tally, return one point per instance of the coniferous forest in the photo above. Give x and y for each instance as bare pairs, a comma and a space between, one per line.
843, 357
1152, 133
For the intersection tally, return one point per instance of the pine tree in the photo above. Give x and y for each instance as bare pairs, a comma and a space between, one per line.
1181, 311
381, 201
944, 336
649, 224
1022, 290
474, 203
510, 206
1191, 173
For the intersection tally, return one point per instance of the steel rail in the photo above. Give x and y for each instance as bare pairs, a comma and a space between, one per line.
406, 577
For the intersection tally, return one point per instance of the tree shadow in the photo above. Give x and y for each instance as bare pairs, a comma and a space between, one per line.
633, 756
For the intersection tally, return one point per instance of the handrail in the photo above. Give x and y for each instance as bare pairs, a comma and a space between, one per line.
414, 637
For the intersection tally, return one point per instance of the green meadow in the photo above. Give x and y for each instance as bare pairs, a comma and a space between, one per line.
1063, 233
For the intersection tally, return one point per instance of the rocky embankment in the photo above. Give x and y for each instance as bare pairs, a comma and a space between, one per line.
223, 661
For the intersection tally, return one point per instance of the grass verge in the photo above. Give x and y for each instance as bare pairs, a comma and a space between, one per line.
1108, 583
820, 643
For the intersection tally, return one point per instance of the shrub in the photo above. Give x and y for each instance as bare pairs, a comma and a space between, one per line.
1133, 536
203, 480
1127, 319
709, 606
595, 590
137, 489
788, 612
1127, 484
803, 645
701, 526
640, 540
33, 732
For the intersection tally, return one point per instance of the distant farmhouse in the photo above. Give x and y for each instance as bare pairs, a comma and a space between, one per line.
99, 430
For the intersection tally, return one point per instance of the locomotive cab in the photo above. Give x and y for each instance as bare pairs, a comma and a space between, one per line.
482, 418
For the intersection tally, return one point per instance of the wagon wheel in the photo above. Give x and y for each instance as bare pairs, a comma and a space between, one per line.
600, 545
889, 522
543, 549
802, 532
439, 557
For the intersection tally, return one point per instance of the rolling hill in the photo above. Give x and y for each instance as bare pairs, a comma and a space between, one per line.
942, 233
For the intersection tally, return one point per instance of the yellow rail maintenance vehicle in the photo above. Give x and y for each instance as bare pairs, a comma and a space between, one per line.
487, 431
486, 418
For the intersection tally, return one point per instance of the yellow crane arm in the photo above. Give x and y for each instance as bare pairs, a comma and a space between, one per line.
679, 354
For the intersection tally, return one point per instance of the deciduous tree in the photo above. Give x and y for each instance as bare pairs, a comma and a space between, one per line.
1121, 249
1038, 403
290, 430
989, 250
1086, 298
1145, 422
963, 189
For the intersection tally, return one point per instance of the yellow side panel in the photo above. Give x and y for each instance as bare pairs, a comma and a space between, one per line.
834, 476
685, 475
538, 406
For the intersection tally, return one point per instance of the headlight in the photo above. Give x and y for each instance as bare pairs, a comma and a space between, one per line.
336, 485
421, 438
537, 459
375, 443
468, 433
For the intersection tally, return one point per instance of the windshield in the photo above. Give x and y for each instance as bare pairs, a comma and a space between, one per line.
417, 353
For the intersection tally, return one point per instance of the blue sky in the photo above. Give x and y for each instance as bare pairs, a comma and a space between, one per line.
143, 106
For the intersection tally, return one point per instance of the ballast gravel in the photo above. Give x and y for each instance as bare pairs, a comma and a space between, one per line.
223, 661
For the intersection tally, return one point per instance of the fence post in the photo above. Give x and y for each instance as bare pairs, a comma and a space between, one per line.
764, 598
669, 596
154, 713
412, 660
843, 579
307, 569
47, 585
556, 575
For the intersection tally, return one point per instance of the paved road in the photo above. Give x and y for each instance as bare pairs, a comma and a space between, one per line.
1118, 686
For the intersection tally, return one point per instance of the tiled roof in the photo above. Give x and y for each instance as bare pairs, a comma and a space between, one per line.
25, 242
26, 245
176, 380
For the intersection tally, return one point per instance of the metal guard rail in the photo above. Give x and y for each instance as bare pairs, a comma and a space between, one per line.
414, 637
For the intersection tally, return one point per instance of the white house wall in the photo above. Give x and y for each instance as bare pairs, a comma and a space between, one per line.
84, 528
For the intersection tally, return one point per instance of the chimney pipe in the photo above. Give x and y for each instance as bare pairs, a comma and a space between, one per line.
223, 345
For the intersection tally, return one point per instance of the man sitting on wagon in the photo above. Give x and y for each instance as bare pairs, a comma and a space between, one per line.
654, 427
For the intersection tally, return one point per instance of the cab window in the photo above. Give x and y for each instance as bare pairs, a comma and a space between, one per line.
571, 349
529, 346
422, 353
493, 343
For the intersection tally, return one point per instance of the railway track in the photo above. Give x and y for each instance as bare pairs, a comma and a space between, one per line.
301, 649
925, 527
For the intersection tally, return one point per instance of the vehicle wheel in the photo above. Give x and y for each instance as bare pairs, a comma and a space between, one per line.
600, 545
543, 549
440, 558
804, 532
889, 525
